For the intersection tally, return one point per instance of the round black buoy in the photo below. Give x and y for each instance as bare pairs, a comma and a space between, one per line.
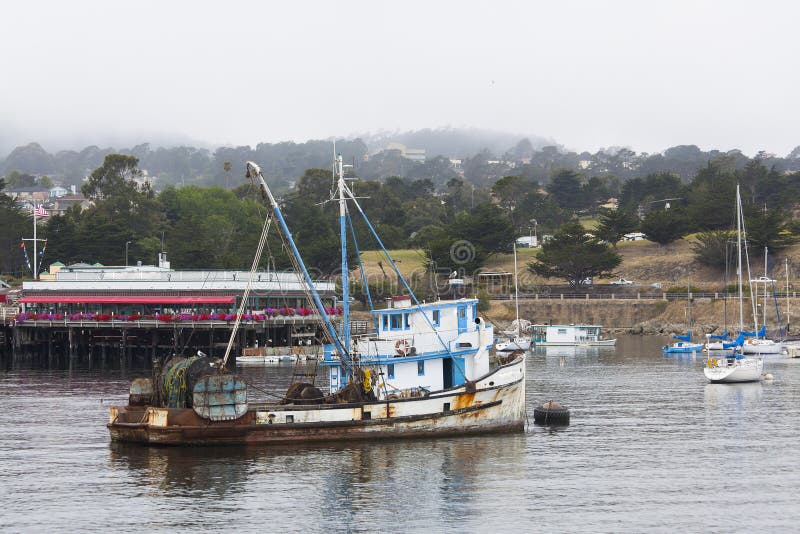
551, 413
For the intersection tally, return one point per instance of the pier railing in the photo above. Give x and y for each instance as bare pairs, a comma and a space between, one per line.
630, 296
154, 323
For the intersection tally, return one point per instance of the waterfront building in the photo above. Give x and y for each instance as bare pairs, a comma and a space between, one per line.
150, 298
159, 289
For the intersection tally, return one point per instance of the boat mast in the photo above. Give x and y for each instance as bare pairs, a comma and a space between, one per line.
739, 250
788, 317
254, 172
516, 288
689, 302
345, 270
765, 288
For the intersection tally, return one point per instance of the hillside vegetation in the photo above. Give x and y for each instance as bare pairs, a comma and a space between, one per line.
643, 262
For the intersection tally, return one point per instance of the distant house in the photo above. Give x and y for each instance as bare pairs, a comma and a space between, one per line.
58, 191
34, 193
414, 154
60, 205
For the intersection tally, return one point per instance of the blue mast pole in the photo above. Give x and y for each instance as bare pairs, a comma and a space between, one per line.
254, 171
345, 270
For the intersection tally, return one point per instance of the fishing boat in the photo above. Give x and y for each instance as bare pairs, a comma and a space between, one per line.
424, 373
736, 367
561, 335
519, 341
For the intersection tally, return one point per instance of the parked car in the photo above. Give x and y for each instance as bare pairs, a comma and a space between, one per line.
622, 282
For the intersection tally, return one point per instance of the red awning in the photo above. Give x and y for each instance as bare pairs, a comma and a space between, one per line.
111, 299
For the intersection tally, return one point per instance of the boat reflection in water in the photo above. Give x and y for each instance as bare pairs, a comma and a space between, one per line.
739, 395
345, 483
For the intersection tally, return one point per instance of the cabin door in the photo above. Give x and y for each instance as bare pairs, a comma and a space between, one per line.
458, 371
462, 319
447, 373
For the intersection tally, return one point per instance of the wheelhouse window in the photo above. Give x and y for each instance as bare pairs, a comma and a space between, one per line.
462, 313
390, 370
386, 322
562, 331
421, 368
436, 317
406, 323
396, 321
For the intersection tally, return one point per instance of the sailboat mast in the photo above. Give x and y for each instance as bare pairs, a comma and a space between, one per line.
765, 287
516, 288
345, 269
739, 249
788, 317
689, 302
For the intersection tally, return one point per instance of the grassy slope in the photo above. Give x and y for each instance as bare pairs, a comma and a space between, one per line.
643, 262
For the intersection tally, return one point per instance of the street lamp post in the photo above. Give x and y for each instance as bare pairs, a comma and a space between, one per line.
126, 252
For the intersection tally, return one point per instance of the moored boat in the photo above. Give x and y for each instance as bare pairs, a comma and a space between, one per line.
425, 372
519, 341
736, 367
559, 335
683, 346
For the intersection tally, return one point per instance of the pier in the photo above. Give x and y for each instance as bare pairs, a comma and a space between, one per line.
151, 338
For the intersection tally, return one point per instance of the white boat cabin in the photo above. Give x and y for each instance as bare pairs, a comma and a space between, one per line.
561, 334
431, 347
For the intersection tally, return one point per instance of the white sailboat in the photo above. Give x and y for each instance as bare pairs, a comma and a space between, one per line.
735, 367
519, 341
760, 344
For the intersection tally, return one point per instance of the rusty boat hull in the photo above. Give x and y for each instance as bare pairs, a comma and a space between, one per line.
495, 404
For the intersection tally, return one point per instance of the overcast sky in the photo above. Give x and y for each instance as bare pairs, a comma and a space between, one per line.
587, 74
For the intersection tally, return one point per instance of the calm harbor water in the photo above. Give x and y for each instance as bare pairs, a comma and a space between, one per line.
651, 447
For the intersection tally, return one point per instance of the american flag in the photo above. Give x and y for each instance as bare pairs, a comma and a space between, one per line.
39, 211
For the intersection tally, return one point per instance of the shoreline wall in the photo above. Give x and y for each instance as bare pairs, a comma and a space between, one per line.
645, 316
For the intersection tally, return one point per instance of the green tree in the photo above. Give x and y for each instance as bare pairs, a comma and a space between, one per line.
664, 226
567, 190
470, 239
710, 199
614, 224
574, 256
123, 211
46, 182
510, 192
113, 178
714, 248
770, 228
652, 187
16, 179
15, 225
